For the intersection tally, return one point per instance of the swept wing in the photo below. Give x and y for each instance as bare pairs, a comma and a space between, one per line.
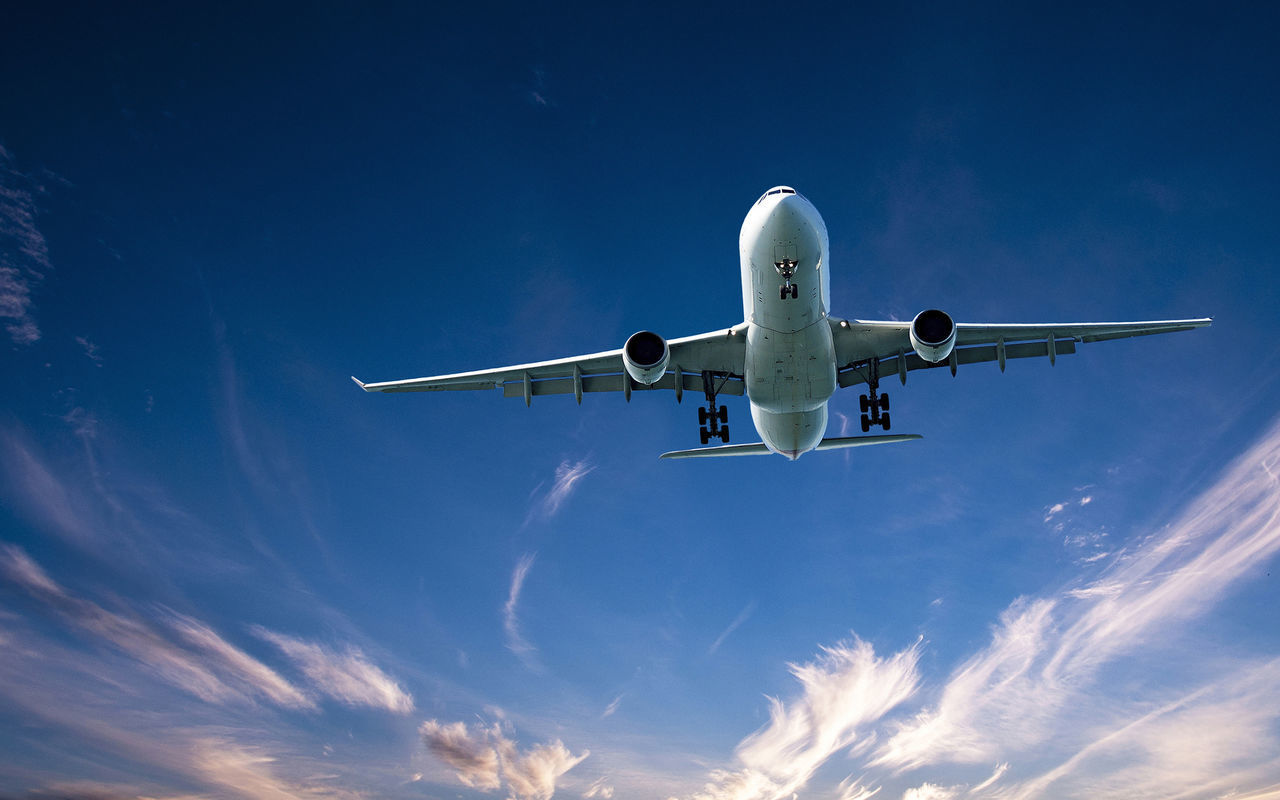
721, 353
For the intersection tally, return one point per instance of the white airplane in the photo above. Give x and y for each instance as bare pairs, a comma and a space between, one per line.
788, 355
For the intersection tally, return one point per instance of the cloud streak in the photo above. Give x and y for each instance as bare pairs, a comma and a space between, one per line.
219, 673
348, 677
515, 640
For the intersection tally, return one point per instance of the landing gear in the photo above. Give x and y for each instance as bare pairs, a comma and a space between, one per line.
787, 269
874, 406
713, 421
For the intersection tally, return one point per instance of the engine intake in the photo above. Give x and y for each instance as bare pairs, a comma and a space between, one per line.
645, 357
933, 335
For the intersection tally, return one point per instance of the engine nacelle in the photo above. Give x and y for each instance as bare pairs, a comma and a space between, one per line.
933, 335
645, 356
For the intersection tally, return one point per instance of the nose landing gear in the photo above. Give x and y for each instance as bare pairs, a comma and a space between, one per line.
787, 269
713, 420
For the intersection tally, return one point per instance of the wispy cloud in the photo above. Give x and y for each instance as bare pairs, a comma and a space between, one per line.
91, 350
1011, 699
219, 674
742, 617
844, 691
348, 677
568, 475
1031, 704
516, 642
24, 255
239, 663
485, 759
612, 708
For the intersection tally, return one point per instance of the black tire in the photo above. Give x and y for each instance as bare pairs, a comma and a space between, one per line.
864, 404
724, 434
702, 417
723, 414
795, 291
782, 293
884, 421
705, 435
866, 423
884, 402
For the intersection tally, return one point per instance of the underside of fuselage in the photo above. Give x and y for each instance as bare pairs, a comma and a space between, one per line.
790, 366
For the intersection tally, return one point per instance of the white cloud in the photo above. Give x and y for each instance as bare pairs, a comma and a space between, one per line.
568, 475
473, 759
1037, 677
347, 677
849, 789
485, 759
1053, 510
532, 775
844, 690
929, 791
516, 642
600, 788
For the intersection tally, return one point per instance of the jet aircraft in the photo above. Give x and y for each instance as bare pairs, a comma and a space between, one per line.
789, 355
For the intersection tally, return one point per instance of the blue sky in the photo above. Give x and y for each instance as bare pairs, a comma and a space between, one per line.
226, 572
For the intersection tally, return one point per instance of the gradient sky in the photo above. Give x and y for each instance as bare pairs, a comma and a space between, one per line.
226, 572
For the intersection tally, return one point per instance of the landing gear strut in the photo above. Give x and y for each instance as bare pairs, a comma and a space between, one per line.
787, 269
714, 419
874, 406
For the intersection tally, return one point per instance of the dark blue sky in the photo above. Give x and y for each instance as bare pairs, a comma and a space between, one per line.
226, 572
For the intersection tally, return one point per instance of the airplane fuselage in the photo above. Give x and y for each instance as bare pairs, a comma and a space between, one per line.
790, 368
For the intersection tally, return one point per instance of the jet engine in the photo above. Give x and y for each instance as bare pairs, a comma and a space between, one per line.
933, 335
645, 356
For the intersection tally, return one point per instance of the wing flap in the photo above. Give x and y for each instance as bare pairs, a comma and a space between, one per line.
692, 382
852, 376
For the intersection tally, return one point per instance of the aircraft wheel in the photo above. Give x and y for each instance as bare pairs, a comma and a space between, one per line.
795, 291
782, 293
884, 402
866, 423
723, 414
702, 416
864, 403
705, 435
724, 434
884, 421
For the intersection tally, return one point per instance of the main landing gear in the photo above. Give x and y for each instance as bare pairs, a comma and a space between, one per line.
874, 406
713, 420
787, 269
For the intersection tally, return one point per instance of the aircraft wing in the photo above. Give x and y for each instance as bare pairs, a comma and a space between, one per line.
722, 353
862, 344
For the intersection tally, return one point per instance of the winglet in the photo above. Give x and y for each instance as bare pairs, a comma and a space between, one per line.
358, 382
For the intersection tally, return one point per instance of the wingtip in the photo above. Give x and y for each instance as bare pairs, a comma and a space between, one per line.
359, 382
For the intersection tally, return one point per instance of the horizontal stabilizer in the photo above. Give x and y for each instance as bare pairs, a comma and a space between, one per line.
760, 449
